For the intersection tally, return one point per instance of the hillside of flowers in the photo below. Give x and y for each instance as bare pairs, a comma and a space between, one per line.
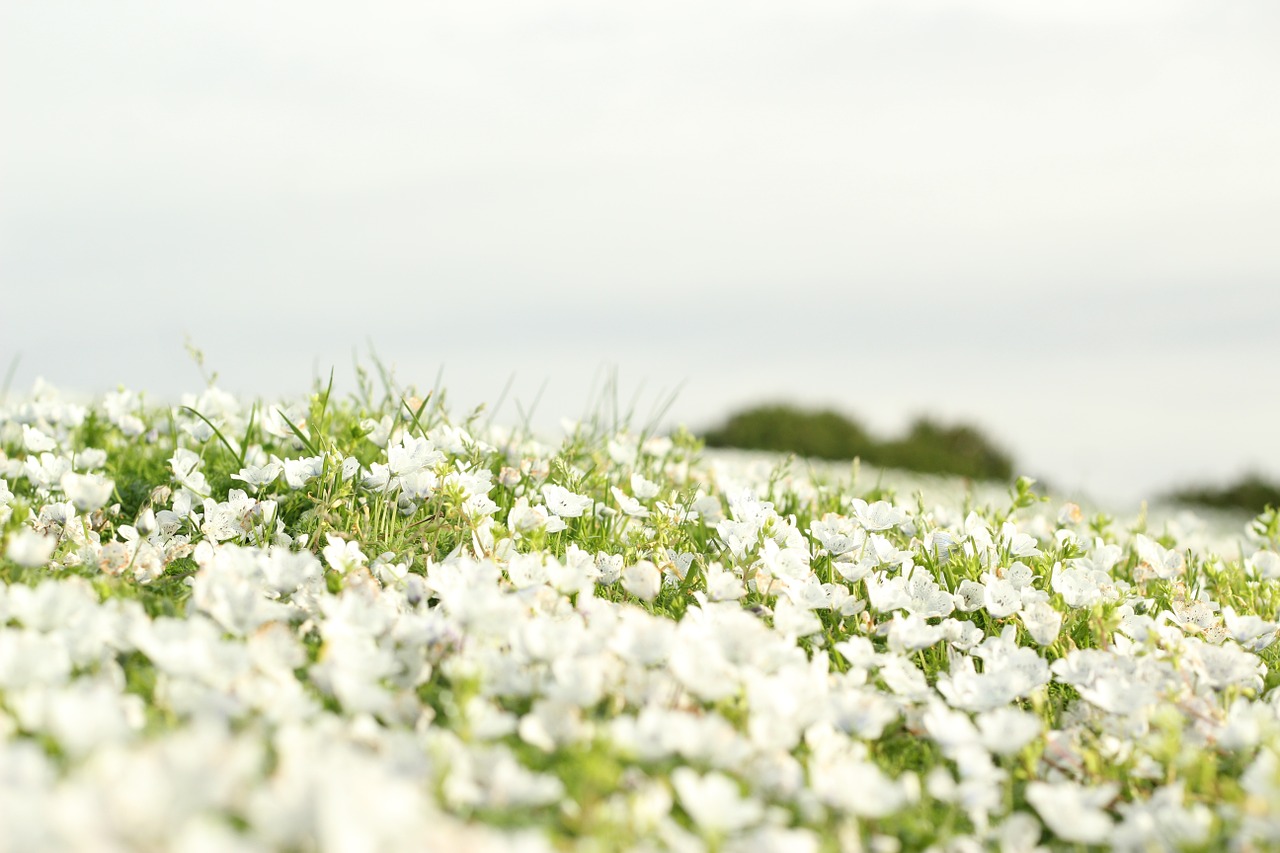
368, 624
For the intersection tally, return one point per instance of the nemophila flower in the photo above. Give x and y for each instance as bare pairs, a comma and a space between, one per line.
231, 519
550, 725
1250, 631
343, 556
952, 731
1042, 622
1078, 587
630, 506
1225, 665
1009, 673
527, 570
30, 549
299, 472
576, 573
122, 409
1163, 822
524, 519
1000, 597
904, 678
855, 786
784, 563
794, 620
1005, 731
412, 687
723, 585
1155, 561
969, 596
642, 488
609, 566
837, 534
411, 454
89, 459
708, 508
1194, 616
925, 597
1017, 543
880, 515
563, 502
259, 476
32, 659
1074, 813
186, 471
642, 579
36, 441
81, 716
1264, 564
960, 634
714, 801
45, 471
912, 633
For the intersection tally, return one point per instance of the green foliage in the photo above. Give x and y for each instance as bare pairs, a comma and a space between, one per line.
928, 446
1250, 492
824, 434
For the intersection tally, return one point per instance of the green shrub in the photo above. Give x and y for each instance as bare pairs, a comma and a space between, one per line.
1250, 493
822, 435
928, 446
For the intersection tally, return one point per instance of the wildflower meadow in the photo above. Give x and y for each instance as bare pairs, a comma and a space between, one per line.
369, 623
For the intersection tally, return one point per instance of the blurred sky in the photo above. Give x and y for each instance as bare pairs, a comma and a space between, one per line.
1059, 221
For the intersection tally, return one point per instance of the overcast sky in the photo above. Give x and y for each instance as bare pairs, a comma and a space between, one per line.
1060, 221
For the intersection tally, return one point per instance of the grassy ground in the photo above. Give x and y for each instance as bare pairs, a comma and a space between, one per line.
366, 623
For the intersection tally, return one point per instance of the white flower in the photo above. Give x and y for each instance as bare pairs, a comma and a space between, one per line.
714, 801
412, 454
257, 476
343, 556
1264, 565
87, 491
1074, 812
912, 633
630, 505
1005, 731
1000, 598
792, 620
524, 518
1162, 822
186, 471
36, 441
642, 580
970, 596
1156, 561
642, 488
1077, 586
1042, 622
1252, 632
297, 472
30, 549
1019, 544
723, 585
837, 534
563, 502
880, 515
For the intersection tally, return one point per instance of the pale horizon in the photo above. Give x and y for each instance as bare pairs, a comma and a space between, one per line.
1054, 223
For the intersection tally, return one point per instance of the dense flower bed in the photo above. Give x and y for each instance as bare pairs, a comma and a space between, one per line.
368, 626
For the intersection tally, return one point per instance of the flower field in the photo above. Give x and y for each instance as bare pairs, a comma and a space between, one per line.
368, 624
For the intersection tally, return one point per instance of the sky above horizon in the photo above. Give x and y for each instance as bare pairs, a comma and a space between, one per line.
1055, 221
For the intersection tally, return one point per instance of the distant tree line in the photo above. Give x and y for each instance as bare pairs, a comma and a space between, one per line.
1250, 493
928, 446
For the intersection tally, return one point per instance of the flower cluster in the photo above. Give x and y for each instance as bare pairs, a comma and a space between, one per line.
367, 625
